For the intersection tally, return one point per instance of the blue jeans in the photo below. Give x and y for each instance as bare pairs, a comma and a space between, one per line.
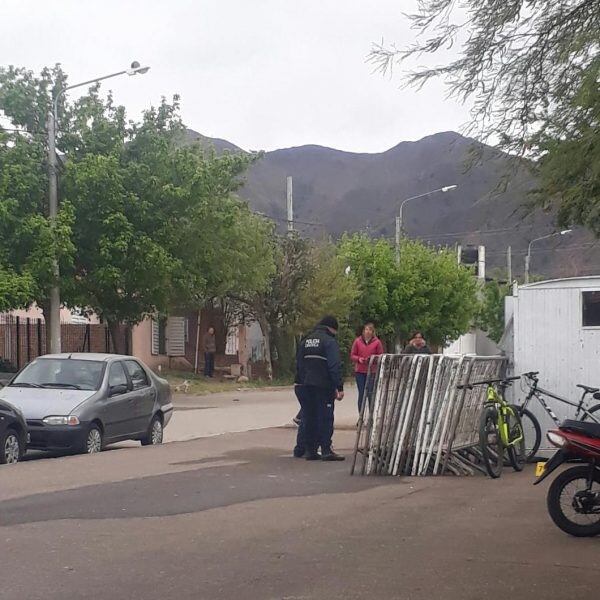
361, 384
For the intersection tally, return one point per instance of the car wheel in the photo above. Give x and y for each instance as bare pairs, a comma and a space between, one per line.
154, 437
10, 447
93, 440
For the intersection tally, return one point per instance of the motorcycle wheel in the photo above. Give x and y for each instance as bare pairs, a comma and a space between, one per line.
568, 490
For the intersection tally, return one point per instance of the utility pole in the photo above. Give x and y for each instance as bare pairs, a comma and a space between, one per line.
53, 315
53, 332
290, 205
481, 263
398, 233
509, 264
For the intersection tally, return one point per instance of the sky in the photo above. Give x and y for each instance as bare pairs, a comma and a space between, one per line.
263, 74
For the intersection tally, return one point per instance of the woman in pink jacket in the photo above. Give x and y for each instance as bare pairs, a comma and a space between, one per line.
364, 346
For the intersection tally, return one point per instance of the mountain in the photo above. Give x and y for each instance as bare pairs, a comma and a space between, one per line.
345, 191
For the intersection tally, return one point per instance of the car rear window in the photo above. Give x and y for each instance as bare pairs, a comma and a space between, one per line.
61, 373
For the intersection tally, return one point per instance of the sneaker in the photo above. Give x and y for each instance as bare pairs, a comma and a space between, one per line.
299, 453
312, 456
332, 456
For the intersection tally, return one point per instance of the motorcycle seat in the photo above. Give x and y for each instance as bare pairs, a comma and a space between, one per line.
589, 429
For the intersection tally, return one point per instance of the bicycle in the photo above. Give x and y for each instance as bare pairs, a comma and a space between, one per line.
500, 428
530, 421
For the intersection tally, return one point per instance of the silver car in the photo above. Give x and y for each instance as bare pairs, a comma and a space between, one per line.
81, 402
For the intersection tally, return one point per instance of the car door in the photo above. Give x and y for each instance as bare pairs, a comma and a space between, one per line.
145, 394
119, 406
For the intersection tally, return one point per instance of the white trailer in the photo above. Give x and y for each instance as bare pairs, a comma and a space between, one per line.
554, 327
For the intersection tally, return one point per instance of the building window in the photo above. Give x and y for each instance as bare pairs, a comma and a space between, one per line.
159, 336
590, 302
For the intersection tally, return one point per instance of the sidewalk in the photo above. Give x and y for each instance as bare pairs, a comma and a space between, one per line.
245, 410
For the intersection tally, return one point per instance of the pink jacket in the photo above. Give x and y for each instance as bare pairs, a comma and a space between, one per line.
361, 352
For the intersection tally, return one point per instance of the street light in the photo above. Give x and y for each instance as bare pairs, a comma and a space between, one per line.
54, 297
528, 255
446, 188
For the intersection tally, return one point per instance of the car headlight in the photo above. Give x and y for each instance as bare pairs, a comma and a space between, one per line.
59, 420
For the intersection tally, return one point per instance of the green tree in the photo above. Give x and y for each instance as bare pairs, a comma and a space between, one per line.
569, 157
278, 307
147, 221
27, 239
490, 317
16, 291
428, 290
330, 290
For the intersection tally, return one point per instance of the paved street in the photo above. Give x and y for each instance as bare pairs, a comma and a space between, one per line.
233, 515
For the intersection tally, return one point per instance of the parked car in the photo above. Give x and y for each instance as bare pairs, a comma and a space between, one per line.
81, 402
13, 434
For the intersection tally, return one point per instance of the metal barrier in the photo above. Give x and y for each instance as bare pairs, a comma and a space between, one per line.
415, 421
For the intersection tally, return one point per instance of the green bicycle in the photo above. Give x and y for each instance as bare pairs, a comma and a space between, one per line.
500, 429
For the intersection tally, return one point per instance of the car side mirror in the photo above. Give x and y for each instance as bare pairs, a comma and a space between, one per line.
116, 390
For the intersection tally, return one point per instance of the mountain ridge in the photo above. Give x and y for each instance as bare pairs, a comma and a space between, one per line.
351, 191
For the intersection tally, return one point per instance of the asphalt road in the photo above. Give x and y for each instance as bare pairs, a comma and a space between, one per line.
234, 516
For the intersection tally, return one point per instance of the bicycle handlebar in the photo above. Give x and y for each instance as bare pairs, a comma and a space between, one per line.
505, 381
531, 374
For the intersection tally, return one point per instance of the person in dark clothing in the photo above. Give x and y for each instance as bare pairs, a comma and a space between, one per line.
210, 349
416, 345
319, 373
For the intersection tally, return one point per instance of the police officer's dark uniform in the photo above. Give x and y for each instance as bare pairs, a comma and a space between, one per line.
319, 371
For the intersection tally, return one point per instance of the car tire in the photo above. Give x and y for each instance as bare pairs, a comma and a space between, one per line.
11, 448
93, 441
154, 436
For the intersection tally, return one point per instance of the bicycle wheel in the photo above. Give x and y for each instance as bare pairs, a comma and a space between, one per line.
533, 432
517, 454
490, 442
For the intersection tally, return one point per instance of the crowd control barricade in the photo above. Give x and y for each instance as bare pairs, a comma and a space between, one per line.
415, 421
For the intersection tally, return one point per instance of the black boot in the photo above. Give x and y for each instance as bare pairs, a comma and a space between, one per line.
312, 456
330, 455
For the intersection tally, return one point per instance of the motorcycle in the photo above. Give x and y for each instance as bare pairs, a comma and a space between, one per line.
574, 496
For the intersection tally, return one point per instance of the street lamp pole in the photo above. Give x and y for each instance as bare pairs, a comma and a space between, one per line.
53, 317
446, 188
528, 255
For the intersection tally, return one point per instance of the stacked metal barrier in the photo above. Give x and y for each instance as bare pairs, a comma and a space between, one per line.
415, 421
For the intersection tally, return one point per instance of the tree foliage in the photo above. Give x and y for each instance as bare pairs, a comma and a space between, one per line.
569, 157
490, 317
518, 61
531, 71
428, 290
148, 222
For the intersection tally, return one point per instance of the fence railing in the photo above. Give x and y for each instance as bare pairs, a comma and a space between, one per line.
23, 339
415, 421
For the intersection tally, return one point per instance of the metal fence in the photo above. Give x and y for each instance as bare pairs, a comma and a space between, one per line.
23, 339
415, 421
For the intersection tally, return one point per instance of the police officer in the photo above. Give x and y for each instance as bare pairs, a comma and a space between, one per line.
319, 372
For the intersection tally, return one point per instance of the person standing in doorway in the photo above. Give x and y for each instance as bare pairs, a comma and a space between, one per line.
210, 349
319, 372
364, 347
416, 345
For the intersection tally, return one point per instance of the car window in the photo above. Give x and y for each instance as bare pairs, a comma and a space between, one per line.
62, 373
139, 379
116, 375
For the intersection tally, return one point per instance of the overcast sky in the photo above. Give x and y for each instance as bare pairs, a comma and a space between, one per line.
263, 74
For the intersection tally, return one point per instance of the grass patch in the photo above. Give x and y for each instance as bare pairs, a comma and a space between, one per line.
200, 385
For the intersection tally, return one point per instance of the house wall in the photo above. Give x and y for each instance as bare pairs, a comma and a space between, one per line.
549, 338
141, 345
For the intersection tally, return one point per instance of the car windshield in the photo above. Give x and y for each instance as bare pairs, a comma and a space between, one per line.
61, 373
